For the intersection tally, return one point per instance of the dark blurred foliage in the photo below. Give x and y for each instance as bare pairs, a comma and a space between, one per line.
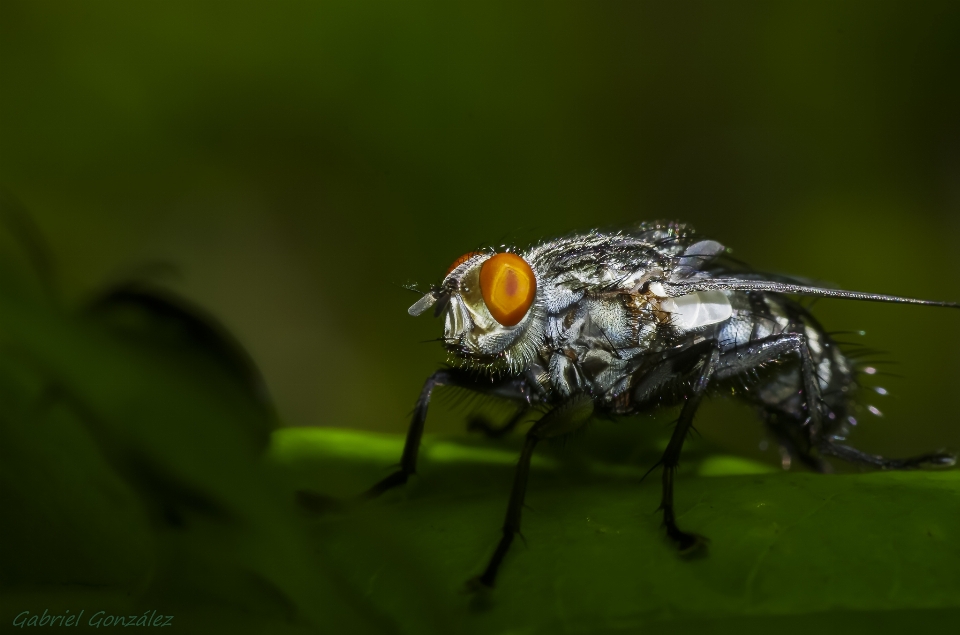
298, 162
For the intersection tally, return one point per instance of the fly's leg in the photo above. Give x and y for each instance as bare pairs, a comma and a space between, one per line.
482, 425
791, 438
717, 367
511, 525
562, 420
671, 457
770, 349
411, 447
798, 440
853, 455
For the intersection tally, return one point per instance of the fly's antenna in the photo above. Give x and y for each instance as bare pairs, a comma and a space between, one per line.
737, 284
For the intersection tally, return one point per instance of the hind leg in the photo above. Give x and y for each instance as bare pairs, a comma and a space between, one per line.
795, 441
803, 438
853, 455
795, 428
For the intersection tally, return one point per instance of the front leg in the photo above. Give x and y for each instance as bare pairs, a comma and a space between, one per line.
511, 388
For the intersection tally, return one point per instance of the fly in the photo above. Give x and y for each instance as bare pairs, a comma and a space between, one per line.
622, 323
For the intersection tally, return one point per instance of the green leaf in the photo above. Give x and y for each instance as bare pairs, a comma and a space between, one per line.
787, 548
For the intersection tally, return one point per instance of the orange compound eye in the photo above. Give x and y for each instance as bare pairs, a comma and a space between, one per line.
508, 286
459, 261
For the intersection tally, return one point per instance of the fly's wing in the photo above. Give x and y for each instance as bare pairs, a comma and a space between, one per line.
698, 308
693, 288
695, 259
675, 288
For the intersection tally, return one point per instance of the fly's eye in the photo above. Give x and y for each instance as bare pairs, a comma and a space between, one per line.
459, 261
508, 286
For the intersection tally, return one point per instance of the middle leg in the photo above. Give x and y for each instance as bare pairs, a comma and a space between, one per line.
671, 456
562, 420
483, 425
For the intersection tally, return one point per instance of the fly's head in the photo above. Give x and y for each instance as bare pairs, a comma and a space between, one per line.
489, 304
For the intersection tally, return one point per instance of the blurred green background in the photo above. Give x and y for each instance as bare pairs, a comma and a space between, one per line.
299, 161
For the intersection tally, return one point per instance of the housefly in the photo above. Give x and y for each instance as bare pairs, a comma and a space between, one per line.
621, 323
